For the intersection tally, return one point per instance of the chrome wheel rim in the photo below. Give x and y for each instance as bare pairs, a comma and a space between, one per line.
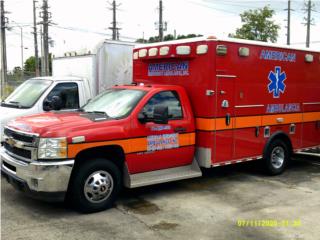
98, 186
277, 157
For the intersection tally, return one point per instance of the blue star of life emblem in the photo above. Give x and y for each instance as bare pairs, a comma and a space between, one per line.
276, 84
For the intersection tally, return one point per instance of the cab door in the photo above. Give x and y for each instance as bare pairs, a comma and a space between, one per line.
224, 139
166, 145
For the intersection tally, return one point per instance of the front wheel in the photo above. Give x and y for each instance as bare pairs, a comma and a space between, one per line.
94, 185
277, 157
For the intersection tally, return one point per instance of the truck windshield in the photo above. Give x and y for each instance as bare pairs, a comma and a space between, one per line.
115, 103
26, 95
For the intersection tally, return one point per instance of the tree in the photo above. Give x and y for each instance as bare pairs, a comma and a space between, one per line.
258, 25
30, 65
16, 73
189, 36
168, 37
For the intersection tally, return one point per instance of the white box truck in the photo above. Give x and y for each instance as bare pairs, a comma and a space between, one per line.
77, 77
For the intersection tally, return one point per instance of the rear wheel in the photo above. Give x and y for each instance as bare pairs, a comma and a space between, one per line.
94, 185
277, 157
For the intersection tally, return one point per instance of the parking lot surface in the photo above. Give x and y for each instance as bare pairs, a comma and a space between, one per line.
234, 202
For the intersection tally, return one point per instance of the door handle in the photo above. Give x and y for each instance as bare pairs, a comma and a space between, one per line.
180, 129
228, 119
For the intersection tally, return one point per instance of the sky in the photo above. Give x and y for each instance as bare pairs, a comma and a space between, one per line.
81, 24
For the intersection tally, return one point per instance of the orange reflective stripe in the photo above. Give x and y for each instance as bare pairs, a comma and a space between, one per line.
312, 116
206, 124
187, 139
74, 149
221, 124
281, 119
212, 124
128, 145
244, 122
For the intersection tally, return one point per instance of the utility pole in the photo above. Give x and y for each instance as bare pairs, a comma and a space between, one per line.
45, 23
3, 21
309, 6
114, 28
160, 21
161, 26
308, 24
42, 55
22, 67
288, 22
35, 35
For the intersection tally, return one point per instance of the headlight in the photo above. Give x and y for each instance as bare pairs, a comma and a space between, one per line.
52, 148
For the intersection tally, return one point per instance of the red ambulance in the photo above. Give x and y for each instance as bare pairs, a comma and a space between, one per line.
198, 103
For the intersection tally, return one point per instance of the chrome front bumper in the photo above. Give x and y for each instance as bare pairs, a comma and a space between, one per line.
47, 177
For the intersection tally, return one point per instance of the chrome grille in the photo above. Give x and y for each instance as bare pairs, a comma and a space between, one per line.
18, 151
20, 145
18, 136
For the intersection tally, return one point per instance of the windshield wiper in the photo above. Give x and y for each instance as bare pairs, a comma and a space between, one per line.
12, 103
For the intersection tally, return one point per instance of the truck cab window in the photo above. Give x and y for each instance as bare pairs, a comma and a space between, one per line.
68, 93
165, 98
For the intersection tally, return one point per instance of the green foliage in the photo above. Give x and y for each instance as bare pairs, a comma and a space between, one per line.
7, 91
188, 36
258, 25
30, 64
168, 37
16, 73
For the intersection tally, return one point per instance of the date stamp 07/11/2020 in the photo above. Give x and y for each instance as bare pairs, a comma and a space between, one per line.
268, 223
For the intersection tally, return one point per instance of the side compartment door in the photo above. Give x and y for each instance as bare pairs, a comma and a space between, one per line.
168, 145
224, 123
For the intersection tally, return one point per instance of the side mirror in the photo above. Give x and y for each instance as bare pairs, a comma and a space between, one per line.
47, 105
54, 104
161, 114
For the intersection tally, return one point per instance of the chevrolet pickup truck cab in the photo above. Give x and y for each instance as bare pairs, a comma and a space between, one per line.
117, 139
203, 102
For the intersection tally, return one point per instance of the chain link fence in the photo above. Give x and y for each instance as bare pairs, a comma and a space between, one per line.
13, 81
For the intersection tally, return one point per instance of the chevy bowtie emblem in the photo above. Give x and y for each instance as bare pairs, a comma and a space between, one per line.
10, 141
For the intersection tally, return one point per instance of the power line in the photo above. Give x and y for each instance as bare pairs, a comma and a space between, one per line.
89, 31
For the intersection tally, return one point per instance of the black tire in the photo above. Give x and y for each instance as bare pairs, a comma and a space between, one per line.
103, 180
276, 157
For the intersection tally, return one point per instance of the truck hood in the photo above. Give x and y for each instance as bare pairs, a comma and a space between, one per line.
93, 127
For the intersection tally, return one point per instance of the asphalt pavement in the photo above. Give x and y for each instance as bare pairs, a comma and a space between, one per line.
234, 202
